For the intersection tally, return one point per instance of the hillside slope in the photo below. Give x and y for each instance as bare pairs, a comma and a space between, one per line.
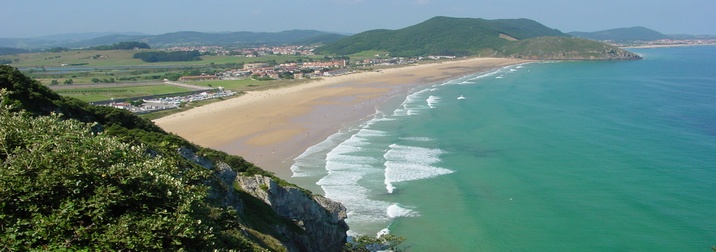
521, 38
637, 33
442, 36
561, 48
99, 178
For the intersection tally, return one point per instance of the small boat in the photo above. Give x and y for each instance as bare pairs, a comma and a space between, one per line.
461, 98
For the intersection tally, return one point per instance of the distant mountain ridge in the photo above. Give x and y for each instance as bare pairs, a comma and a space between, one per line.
515, 38
183, 38
637, 33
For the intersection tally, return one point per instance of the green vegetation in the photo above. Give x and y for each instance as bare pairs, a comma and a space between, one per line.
162, 56
10, 51
441, 36
560, 48
65, 186
519, 38
119, 93
384, 242
122, 46
121, 59
80, 177
622, 34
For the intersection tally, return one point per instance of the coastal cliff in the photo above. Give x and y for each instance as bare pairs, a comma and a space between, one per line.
321, 219
306, 222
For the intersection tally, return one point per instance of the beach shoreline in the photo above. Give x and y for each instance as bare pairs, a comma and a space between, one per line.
271, 127
663, 46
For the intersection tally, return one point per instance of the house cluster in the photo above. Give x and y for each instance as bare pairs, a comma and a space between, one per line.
285, 70
202, 49
275, 50
387, 61
150, 105
667, 42
248, 52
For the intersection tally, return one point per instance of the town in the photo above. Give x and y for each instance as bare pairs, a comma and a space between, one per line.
293, 70
262, 71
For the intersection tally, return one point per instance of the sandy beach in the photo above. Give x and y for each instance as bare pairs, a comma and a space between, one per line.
270, 128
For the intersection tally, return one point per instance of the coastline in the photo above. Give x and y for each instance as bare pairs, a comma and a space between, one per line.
270, 128
663, 46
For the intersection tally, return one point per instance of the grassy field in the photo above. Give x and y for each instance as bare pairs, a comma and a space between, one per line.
119, 66
119, 93
247, 84
92, 66
99, 58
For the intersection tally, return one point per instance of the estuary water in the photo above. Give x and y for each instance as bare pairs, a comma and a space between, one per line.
550, 156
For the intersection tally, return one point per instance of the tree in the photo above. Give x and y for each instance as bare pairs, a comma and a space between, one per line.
369, 244
96, 80
54, 82
65, 185
69, 82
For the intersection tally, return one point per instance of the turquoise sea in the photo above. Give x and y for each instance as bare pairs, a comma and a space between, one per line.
552, 156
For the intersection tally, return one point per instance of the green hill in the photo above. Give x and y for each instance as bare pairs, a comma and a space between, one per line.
637, 33
81, 177
442, 36
521, 38
563, 48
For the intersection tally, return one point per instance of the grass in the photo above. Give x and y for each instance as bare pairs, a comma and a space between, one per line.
368, 55
119, 93
98, 58
248, 84
82, 66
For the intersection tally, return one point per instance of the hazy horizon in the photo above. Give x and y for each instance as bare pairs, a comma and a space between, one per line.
46, 17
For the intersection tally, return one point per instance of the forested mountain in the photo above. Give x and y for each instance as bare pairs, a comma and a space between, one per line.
239, 38
637, 33
515, 38
81, 177
9, 51
443, 36
185, 38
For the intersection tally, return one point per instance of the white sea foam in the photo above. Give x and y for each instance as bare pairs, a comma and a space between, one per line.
311, 161
432, 100
408, 163
382, 232
417, 139
395, 210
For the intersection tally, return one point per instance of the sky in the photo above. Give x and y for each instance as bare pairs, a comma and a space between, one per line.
35, 18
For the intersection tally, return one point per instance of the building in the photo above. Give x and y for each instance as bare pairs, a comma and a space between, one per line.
255, 65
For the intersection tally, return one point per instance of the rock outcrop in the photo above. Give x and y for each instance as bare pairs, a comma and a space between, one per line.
321, 218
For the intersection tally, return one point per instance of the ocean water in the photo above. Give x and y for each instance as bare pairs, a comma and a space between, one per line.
555, 156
